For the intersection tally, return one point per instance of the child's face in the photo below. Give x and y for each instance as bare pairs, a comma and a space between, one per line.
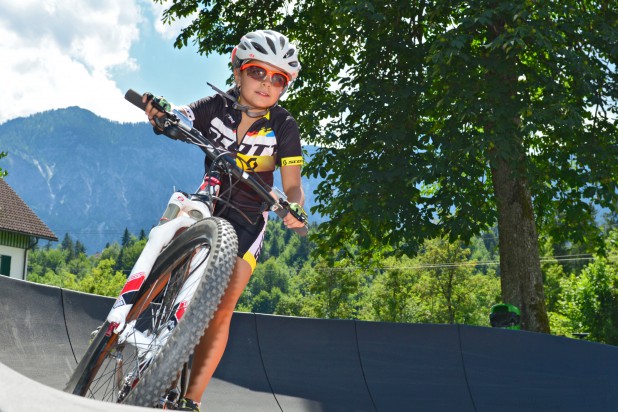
260, 93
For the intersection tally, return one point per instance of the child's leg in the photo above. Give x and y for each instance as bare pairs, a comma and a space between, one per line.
210, 349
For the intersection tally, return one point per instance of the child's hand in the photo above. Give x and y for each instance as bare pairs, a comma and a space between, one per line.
155, 107
291, 221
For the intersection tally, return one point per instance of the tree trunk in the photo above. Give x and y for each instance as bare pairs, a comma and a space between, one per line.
520, 266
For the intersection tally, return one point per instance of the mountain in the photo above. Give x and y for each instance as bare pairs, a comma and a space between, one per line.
92, 178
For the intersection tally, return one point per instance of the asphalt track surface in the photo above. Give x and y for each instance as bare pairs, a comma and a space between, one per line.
287, 364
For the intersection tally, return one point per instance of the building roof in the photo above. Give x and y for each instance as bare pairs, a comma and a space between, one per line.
16, 216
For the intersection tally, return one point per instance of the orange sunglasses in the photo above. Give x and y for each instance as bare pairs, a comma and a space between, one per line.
259, 73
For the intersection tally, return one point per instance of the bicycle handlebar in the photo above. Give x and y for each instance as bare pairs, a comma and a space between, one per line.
174, 128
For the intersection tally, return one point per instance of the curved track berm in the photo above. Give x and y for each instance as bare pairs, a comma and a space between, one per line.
287, 364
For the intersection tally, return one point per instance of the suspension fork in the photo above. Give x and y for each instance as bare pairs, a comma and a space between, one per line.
147, 344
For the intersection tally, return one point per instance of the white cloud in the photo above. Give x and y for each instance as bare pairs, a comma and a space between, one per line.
172, 29
60, 53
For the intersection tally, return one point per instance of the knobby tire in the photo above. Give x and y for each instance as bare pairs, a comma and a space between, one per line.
96, 379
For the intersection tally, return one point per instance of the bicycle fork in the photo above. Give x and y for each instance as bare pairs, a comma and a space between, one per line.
149, 343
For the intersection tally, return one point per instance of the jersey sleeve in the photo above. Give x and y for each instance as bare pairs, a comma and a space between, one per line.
289, 149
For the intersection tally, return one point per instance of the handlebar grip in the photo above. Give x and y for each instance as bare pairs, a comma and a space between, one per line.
135, 98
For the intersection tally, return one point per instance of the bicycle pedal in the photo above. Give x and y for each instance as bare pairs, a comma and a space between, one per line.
169, 400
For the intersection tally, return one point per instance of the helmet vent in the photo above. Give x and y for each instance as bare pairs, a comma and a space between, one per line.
258, 47
271, 44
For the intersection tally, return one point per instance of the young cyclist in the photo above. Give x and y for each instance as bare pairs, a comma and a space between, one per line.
248, 123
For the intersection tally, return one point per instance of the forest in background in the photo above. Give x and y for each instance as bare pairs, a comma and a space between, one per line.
447, 282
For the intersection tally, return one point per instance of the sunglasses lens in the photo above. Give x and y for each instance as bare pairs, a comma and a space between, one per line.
256, 72
278, 80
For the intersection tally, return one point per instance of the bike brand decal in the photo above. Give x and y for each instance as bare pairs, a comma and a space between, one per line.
134, 282
130, 289
182, 308
119, 302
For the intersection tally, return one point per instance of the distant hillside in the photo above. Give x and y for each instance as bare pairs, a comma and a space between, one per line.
92, 178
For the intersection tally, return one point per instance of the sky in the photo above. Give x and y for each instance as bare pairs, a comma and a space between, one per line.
88, 53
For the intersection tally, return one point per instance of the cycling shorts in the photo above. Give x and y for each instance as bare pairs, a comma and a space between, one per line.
250, 236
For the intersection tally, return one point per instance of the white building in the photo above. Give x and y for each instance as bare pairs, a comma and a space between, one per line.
20, 230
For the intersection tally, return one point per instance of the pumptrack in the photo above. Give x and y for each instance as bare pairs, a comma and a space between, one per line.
276, 363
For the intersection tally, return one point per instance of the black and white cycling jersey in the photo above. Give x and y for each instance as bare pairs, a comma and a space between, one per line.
273, 140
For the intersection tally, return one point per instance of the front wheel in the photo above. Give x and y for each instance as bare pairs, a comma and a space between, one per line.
168, 323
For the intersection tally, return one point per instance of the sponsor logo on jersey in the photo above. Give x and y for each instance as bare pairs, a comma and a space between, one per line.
292, 161
255, 163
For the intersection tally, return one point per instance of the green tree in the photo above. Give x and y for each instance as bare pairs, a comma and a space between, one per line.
591, 301
450, 289
268, 284
68, 246
333, 292
129, 254
127, 238
295, 301
447, 116
80, 248
103, 280
40, 261
63, 279
274, 242
79, 266
3, 172
480, 254
111, 251
392, 297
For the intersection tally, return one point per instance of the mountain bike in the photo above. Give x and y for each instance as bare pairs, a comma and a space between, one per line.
139, 355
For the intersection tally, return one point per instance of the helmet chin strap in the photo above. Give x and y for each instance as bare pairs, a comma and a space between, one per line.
249, 110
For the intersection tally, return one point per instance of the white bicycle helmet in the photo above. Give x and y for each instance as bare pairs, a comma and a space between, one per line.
270, 47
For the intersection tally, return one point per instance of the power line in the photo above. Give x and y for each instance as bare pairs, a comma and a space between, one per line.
548, 259
561, 258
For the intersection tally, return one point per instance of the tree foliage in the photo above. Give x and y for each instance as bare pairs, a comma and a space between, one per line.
69, 267
419, 93
2, 172
586, 301
450, 116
